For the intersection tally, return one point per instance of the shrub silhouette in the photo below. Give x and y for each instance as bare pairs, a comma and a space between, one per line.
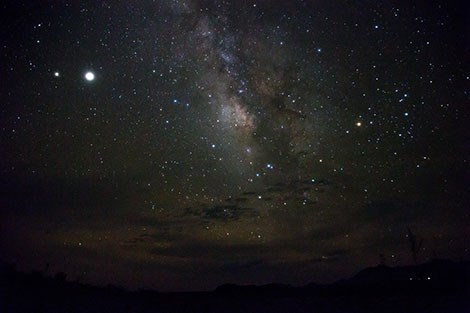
415, 246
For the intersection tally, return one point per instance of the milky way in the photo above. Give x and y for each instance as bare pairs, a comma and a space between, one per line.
182, 144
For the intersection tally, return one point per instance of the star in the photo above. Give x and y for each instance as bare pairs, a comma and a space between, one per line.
90, 76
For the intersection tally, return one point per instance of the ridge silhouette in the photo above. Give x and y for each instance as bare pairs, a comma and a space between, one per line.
437, 286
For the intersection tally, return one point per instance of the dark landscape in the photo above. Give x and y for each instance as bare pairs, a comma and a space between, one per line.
439, 286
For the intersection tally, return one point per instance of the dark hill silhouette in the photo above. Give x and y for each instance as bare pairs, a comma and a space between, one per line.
438, 286
442, 272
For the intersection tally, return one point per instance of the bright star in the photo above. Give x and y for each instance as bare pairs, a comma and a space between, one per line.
90, 76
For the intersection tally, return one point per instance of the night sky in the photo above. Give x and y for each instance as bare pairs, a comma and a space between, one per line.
183, 144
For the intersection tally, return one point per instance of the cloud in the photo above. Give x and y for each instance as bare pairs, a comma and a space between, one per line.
224, 212
395, 209
211, 250
236, 266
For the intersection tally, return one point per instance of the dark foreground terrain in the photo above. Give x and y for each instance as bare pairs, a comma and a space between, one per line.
438, 286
